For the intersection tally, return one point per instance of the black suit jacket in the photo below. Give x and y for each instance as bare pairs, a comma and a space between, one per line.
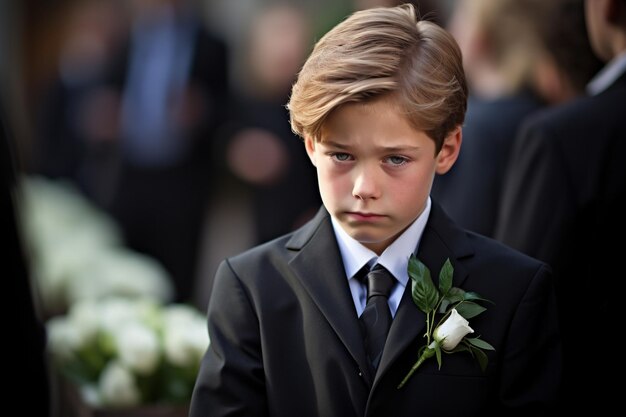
565, 203
285, 338
470, 191
161, 210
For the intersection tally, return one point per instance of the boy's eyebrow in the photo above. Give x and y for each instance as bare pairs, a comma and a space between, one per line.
335, 144
386, 148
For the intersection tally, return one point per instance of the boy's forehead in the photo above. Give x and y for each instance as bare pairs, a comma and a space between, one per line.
374, 105
391, 131
378, 105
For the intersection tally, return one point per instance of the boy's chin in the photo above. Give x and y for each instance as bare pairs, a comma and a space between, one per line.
377, 243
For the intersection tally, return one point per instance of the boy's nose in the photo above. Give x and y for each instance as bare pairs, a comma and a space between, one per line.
365, 185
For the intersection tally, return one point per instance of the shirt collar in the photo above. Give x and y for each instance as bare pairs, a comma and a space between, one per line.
607, 75
395, 258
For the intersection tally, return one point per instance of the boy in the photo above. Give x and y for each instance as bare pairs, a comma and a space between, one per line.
379, 103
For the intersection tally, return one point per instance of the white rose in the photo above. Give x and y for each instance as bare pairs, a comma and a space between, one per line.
118, 386
64, 339
186, 342
451, 331
138, 348
85, 317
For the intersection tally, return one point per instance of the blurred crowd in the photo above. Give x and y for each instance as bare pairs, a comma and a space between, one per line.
170, 116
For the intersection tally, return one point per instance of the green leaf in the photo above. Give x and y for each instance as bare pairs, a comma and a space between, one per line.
471, 296
423, 291
455, 295
444, 305
481, 357
468, 309
480, 343
445, 277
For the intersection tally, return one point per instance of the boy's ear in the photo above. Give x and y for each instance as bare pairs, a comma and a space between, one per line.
309, 144
449, 151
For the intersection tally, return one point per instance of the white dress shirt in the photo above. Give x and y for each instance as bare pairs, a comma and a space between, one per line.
607, 75
395, 258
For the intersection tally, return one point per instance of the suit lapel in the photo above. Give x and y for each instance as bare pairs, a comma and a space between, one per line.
320, 269
441, 240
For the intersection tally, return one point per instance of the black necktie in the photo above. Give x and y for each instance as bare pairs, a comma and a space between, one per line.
376, 318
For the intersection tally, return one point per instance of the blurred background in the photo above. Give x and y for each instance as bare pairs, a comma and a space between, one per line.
169, 117
147, 140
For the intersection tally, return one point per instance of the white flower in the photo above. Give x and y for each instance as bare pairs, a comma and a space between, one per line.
85, 316
116, 271
185, 336
77, 251
115, 350
116, 311
138, 348
451, 331
64, 338
118, 386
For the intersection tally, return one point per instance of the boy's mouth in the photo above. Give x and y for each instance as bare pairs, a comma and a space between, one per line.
357, 215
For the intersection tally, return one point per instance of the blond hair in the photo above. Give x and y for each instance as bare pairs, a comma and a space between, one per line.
511, 26
383, 51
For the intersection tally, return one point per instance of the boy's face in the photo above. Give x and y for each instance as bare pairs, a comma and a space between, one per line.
375, 170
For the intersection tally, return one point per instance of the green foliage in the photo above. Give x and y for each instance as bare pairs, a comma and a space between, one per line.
441, 302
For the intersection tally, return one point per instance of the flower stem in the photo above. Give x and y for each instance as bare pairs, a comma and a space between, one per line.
427, 353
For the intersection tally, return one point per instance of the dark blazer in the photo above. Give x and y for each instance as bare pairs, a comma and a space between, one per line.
285, 338
565, 203
161, 210
470, 191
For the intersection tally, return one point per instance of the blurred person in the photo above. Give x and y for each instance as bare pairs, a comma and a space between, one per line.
498, 46
517, 60
565, 62
564, 202
77, 120
133, 122
437, 11
174, 84
263, 151
266, 188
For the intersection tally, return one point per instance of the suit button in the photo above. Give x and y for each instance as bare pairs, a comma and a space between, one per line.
360, 374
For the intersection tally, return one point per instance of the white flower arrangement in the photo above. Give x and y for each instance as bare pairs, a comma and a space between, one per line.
77, 252
111, 331
122, 352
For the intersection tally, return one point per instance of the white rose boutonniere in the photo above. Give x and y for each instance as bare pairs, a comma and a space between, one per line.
451, 331
454, 306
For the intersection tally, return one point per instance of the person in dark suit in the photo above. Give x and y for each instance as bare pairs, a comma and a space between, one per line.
519, 56
380, 103
174, 81
278, 44
564, 203
133, 123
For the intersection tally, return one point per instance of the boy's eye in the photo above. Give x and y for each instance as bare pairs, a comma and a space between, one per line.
340, 156
396, 160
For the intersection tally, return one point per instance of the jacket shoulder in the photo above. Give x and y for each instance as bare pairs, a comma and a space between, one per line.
490, 253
